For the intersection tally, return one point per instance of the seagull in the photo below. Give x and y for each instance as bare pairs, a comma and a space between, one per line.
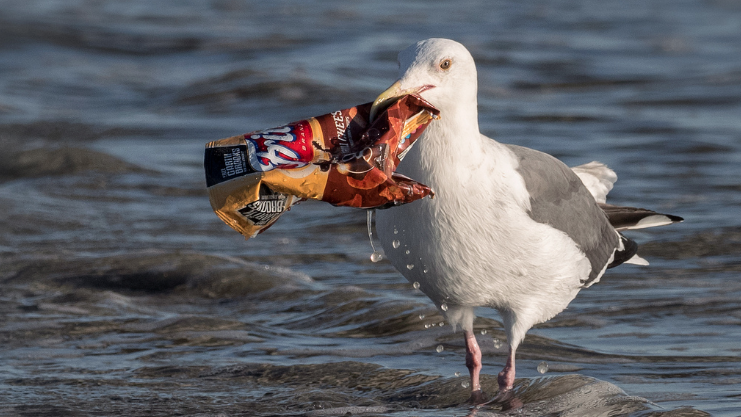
509, 227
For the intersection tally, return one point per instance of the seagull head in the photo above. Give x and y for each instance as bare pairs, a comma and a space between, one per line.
440, 71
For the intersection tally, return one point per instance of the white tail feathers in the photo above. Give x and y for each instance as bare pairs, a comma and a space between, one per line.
598, 179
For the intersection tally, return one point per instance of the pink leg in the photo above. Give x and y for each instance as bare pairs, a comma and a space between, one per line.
506, 378
473, 363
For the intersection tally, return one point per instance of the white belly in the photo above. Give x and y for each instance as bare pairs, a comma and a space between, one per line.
469, 247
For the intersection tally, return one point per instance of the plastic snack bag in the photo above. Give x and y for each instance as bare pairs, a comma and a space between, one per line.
340, 158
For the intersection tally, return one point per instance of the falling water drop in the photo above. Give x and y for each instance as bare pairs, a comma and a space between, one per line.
425, 270
421, 316
416, 287
439, 348
444, 307
396, 232
483, 331
465, 384
410, 266
375, 256
395, 244
497, 343
543, 367
407, 251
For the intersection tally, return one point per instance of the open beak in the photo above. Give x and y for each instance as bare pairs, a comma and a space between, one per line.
390, 96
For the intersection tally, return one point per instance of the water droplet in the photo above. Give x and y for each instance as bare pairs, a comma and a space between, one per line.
395, 244
410, 266
483, 331
421, 316
375, 256
396, 232
439, 348
425, 270
407, 251
543, 367
427, 326
465, 384
441, 324
415, 285
444, 307
497, 343
457, 374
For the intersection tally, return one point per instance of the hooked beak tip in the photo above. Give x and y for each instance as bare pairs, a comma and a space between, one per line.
393, 93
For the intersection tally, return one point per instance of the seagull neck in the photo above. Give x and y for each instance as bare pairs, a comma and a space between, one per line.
455, 136
449, 148
461, 118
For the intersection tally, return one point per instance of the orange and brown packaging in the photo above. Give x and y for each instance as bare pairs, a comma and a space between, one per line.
340, 158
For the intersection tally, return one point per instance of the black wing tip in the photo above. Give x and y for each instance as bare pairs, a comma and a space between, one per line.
630, 248
674, 219
626, 218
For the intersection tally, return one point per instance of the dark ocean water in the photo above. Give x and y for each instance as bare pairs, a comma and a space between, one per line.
123, 294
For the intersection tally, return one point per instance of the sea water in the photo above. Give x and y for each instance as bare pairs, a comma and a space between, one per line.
122, 292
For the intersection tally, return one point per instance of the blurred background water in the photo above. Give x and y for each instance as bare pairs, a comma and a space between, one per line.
122, 292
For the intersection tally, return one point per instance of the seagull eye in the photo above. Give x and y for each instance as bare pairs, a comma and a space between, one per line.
445, 64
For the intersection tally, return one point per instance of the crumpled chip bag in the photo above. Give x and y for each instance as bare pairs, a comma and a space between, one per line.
340, 158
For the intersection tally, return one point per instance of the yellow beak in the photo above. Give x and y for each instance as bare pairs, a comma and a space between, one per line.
386, 99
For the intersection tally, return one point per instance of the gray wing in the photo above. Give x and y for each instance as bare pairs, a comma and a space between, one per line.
559, 198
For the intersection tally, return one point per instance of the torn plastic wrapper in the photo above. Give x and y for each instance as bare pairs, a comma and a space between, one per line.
338, 157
